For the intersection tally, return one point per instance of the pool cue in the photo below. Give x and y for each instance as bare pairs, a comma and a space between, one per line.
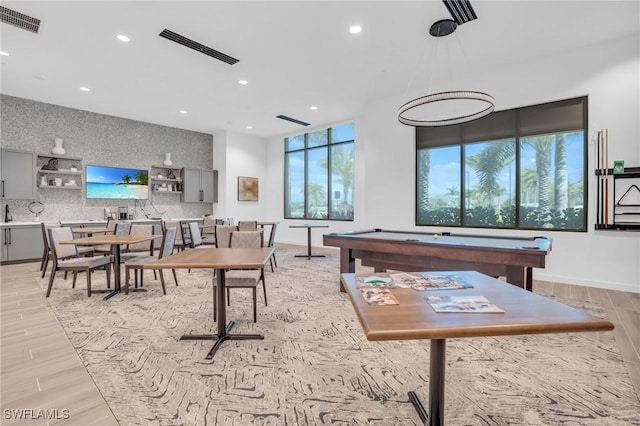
599, 182
606, 177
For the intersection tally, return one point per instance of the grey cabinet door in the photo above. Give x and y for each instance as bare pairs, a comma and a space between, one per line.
206, 185
200, 186
21, 243
18, 175
191, 186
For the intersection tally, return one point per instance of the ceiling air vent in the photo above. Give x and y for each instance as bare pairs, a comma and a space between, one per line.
19, 20
293, 120
460, 10
175, 37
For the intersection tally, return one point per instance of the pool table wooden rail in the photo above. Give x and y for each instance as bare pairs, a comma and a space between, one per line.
498, 257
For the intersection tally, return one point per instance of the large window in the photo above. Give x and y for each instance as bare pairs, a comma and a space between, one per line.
521, 168
318, 176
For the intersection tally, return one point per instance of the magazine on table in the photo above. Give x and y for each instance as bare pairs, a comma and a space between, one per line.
453, 304
374, 281
378, 296
423, 282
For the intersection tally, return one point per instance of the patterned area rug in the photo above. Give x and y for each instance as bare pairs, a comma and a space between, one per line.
315, 367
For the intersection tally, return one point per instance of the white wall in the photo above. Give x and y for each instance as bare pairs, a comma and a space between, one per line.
385, 160
236, 155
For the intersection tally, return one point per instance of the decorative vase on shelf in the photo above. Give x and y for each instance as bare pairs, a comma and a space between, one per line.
58, 149
167, 159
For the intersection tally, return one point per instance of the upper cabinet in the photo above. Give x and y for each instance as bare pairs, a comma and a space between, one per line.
59, 172
166, 179
200, 186
18, 174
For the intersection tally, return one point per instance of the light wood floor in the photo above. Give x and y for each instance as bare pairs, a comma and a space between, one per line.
41, 370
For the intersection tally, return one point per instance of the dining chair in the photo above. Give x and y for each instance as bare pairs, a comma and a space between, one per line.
271, 243
46, 254
248, 225
179, 241
223, 235
137, 249
196, 238
137, 263
119, 228
244, 278
66, 258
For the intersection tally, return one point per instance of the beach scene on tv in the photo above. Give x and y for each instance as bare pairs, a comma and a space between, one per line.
117, 182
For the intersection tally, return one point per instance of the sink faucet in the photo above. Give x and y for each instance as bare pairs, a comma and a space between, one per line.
7, 216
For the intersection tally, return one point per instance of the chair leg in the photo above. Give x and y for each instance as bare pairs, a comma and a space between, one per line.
46, 263
88, 282
264, 289
274, 259
127, 277
75, 276
175, 277
45, 256
255, 303
141, 277
51, 277
271, 262
164, 289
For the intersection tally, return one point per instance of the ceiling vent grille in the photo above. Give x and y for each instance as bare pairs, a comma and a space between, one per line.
293, 120
460, 10
19, 20
175, 37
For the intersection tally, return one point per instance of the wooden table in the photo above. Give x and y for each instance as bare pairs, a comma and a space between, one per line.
220, 259
309, 226
115, 240
510, 257
413, 318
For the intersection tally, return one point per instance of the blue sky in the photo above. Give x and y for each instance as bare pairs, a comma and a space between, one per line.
102, 174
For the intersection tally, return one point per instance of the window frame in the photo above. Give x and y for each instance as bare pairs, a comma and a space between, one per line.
306, 149
517, 124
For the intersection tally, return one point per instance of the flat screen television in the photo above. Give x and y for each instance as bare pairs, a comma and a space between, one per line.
117, 182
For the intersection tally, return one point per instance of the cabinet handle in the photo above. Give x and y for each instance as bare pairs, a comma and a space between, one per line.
201, 195
9, 232
2, 189
4, 240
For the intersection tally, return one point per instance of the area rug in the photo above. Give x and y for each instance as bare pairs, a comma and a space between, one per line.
315, 366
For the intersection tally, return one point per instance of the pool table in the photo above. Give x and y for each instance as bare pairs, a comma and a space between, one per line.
509, 257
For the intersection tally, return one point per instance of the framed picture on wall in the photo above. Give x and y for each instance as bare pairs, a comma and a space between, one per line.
247, 188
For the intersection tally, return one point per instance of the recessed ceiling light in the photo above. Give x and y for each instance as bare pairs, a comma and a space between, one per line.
243, 82
249, 127
355, 29
85, 89
124, 38
313, 107
4, 53
182, 111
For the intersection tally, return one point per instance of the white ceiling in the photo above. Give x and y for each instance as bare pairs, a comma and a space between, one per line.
294, 54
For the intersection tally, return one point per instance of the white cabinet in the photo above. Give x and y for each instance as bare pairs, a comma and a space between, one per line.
66, 175
165, 180
200, 186
21, 243
18, 175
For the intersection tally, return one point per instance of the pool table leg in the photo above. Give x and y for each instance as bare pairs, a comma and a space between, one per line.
347, 264
516, 276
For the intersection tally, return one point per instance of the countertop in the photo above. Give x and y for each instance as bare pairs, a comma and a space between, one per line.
86, 221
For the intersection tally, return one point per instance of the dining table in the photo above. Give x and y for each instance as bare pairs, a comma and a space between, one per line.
220, 260
116, 241
309, 227
410, 316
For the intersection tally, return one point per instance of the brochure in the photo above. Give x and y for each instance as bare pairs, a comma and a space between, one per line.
423, 282
379, 296
453, 304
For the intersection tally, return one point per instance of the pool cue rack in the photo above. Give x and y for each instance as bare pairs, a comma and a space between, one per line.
626, 200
